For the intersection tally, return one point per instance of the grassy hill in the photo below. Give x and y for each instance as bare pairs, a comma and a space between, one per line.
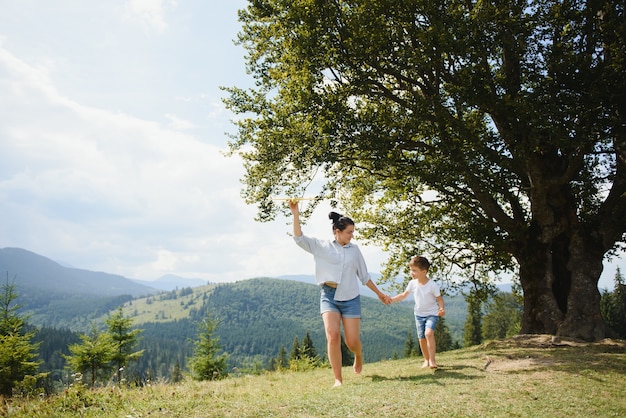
527, 376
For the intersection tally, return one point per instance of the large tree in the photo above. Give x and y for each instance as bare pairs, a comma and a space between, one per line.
487, 135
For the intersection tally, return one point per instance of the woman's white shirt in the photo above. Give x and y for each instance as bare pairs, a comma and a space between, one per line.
338, 264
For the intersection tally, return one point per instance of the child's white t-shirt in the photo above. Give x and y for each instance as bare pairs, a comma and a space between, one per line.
425, 297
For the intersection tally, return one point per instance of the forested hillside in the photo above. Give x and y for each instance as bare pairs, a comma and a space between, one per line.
256, 317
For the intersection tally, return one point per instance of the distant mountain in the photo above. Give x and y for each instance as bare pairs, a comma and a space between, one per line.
57, 296
172, 282
29, 270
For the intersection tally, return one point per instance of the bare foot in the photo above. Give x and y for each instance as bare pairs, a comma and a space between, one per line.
425, 364
337, 383
358, 363
433, 365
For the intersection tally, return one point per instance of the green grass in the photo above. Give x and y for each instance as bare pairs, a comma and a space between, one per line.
526, 377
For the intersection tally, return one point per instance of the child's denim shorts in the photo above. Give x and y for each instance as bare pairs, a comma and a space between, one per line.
423, 322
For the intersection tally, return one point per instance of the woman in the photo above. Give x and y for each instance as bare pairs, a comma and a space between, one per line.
339, 266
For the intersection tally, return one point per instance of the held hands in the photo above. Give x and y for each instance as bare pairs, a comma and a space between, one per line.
386, 299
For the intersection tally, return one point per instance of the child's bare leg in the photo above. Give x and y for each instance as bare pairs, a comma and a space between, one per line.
432, 347
425, 352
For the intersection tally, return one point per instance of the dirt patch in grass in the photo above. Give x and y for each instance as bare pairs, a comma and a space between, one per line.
508, 365
509, 355
551, 341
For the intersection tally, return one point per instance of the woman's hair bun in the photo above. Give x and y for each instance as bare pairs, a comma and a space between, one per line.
334, 216
340, 222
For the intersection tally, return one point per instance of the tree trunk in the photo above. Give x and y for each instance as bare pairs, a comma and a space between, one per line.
560, 284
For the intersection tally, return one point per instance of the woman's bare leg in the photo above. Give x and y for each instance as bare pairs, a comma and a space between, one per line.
332, 327
352, 331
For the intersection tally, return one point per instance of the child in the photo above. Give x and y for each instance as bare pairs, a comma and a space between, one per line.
428, 307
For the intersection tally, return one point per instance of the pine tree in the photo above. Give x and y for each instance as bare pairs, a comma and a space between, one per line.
124, 340
410, 349
472, 330
620, 305
281, 362
347, 357
308, 349
503, 316
295, 350
613, 306
92, 355
206, 363
177, 374
17, 352
442, 335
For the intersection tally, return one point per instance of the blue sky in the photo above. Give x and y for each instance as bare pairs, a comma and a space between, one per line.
112, 133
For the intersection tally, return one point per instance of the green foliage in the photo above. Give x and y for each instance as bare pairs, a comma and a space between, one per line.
473, 324
411, 347
307, 349
99, 352
295, 349
303, 355
304, 364
207, 363
65, 310
52, 347
347, 358
164, 345
479, 133
18, 364
92, 356
281, 362
503, 316
124, 340
177, 374
478, 294
613, 306
442, 336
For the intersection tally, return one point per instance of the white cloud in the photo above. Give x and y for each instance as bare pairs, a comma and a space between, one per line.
150, 14
109, 175
179, 123
106, 190
111, 142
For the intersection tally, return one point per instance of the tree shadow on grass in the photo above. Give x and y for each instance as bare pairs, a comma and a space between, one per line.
443, 372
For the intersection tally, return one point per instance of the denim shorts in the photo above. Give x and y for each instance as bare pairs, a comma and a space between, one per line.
423, 322
347, 308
